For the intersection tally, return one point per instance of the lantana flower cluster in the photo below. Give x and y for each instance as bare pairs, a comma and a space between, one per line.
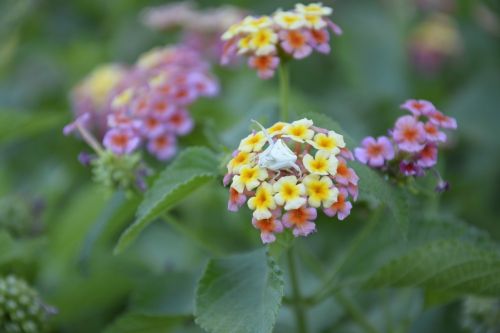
289, 171
151, 105
146, 104
118, 110
411, 148
269, 40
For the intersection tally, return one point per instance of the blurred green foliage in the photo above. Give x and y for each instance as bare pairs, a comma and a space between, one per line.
48, 46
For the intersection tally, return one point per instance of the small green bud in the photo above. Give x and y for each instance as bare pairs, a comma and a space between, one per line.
124, 172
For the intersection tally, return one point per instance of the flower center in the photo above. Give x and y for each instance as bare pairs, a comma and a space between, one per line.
298, 131
342, 169
248, 174
161, 141
326, 143
319, 190
240, 158
253, 140
374, 150
418, 105
266, 224
298, 216
289, 191
296, 39
261, 199
318, 164
120, 140
410, 134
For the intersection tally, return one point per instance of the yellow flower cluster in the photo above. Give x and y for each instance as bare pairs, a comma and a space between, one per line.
291, 167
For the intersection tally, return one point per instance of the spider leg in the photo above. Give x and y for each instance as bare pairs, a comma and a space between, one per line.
277, 175
296, 167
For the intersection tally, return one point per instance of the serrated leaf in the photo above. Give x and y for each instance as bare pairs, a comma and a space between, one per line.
444, 265
372, 186
239, 294
193, 168
142, 323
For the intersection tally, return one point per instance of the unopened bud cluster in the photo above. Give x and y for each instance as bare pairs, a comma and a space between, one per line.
21, 309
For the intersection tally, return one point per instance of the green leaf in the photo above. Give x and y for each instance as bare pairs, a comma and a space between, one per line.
372, 186
376, 190
16, 124
141, 323
16, 251
239, 294
444, 265
170, 294
193, 168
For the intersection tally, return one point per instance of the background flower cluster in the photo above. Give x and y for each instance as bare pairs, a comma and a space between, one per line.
309, 172
267, 40
147, 103
412, 145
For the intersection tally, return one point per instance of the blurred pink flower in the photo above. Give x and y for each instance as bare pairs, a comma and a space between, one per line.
375, 152
163, 146
409, 134
427, 157
296, 43
121, 141
418, 107
438, 118
265, 65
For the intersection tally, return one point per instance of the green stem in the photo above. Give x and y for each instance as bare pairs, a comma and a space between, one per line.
298, 305
355, 312
284, 78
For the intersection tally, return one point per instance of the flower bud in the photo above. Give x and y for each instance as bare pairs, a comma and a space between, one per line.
21, 309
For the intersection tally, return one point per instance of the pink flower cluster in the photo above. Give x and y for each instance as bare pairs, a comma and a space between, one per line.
412, 146
269, 40
148, 105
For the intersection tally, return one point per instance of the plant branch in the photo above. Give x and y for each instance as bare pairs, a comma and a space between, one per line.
298, 305
284, 78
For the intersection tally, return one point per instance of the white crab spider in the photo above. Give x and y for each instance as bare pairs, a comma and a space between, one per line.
277, 156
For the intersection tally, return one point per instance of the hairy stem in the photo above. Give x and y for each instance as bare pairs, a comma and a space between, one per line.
284, 78
298, 305
89, 138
